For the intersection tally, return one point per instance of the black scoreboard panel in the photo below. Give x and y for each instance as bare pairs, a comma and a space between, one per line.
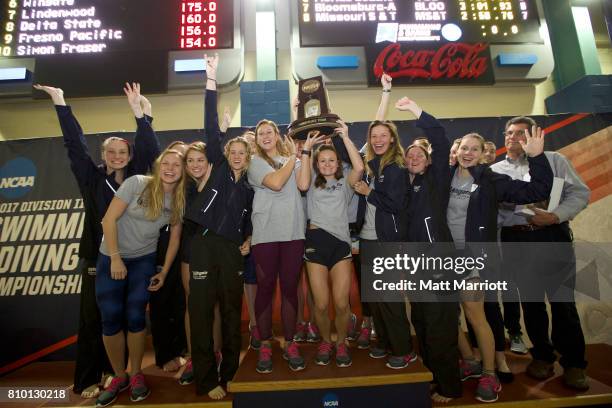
87, 45
365, 22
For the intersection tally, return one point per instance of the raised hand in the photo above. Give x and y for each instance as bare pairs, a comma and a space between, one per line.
290, 145
227, 119
146, 105
386, 81
56, 94
314, 137
407, 104
535, 141
211, 66
341, 131
132, 91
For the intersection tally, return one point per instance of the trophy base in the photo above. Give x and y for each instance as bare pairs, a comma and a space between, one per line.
325, 124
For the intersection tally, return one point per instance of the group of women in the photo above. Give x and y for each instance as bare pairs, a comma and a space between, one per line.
238, 210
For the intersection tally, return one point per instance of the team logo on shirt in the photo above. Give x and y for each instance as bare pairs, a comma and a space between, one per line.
335, 187
416, 189
199, 274
310, 250
381, 178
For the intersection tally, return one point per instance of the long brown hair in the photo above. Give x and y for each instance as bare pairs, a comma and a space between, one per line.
320, 181
153, 193
395, 152
280, 146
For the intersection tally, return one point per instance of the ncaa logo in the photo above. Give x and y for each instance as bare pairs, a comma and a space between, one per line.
17, 177
330, 400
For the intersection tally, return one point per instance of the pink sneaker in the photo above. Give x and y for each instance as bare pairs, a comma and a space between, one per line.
300, 332
312, 333
363, 341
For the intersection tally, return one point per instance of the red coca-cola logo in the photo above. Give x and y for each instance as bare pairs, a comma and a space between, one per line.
451, 61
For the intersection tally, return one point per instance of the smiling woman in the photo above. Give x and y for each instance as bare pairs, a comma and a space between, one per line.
126, 265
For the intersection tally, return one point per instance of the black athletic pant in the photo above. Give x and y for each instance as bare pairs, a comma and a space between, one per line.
567, 335
435, 324
91, 359
512, 318
167, 308
216, 275
365, 306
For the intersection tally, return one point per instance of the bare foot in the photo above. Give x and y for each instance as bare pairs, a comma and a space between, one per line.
174, 364
217, 393
440, 398
90, 392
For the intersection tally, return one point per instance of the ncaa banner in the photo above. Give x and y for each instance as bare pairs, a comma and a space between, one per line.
41, 220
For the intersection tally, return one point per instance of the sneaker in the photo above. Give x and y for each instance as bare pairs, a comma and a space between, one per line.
138, 388
488, 388
264, 359
540, 370
517, 345
351, 329
293, 356
343, 357
324, 353
255, 341
575, 378
363, 341
399, 362
187, 376
312, 333
300, 332
469, 369
378, 352
109, 395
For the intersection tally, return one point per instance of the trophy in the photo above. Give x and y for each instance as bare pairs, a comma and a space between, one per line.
313, 110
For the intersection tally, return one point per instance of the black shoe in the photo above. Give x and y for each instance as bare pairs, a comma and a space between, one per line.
505, 377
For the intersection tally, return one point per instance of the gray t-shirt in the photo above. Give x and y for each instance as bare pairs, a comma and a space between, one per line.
328, 207
456, 214
354, 203
278, 216
368, 231
136, 234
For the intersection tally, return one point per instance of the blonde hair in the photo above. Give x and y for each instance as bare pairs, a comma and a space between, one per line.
481, 140
111, 139
247, 146
395, 152
153, 194
280, 146
195, 147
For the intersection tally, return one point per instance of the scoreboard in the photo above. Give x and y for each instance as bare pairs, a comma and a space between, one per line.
52, 27
362, 22
90, 46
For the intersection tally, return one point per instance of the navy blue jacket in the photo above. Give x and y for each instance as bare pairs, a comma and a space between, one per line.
390, 197
96, 187
492, 188
429, 192
224, 206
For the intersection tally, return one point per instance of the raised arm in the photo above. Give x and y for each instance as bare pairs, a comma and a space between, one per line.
227, 119
538, 189
146, 143
303, 174
357, 165
81, 164
436, 134
385, 81
214, 152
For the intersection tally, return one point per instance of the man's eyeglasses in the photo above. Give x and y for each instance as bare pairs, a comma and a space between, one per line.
509, 133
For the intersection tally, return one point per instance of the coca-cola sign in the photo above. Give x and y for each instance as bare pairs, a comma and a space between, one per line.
449, 63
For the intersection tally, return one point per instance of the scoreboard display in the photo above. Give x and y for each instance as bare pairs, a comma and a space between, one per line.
55, 27
90, 47
366, 22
